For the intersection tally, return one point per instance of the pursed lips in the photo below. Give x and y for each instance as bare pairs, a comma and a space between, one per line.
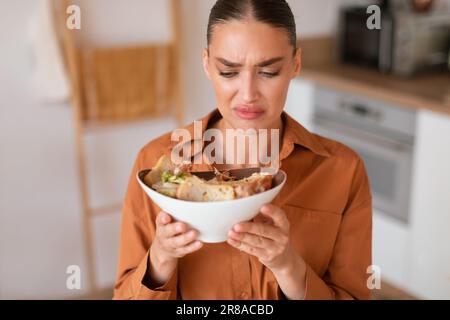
248, 112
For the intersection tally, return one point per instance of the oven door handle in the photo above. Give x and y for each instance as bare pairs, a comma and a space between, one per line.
358, 134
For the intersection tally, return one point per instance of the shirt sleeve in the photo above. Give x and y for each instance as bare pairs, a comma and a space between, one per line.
346, 276
136, 236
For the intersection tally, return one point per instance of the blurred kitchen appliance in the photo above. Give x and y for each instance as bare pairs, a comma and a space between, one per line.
406, 44
383, 135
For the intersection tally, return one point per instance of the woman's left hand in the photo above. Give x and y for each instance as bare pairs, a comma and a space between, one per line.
266, 239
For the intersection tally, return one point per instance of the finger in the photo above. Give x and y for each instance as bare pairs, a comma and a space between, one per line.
163, 218
183, 239
253, 240
276, 214
260, 229
263, 219
172, 229
192, 247
254, 251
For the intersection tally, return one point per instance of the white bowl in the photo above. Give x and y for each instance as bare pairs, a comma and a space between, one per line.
213, 220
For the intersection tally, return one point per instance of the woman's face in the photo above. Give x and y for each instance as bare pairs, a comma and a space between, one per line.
250, 65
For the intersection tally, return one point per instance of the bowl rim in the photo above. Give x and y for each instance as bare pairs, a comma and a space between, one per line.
141, 182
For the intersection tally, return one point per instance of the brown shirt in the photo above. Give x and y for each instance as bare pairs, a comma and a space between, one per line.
326, 199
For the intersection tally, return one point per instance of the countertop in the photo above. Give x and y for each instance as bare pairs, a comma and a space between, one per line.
427, 91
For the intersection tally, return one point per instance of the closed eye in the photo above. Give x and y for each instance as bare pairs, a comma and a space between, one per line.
269, 74
229, 75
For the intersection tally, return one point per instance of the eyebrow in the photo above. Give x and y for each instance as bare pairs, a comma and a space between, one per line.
261, 64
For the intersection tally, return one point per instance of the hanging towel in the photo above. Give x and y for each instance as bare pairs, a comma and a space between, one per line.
50, 79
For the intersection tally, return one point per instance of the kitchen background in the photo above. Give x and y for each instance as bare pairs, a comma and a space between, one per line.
399, 121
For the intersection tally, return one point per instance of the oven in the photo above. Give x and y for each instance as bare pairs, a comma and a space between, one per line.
383, 135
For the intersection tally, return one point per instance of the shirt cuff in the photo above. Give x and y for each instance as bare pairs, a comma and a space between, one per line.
316, 288
167, 291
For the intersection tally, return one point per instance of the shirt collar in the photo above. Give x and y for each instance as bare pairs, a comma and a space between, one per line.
296, 134
293, 134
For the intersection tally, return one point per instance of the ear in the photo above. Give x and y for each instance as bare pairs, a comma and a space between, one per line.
206, 63
297, 63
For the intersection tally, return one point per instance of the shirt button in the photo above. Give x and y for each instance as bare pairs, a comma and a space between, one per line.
244, 295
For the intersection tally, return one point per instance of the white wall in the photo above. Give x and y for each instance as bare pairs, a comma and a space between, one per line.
117, 22
430, 208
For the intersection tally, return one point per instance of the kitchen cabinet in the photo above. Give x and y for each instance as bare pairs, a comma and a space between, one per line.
429, 270
391, 249
415, 255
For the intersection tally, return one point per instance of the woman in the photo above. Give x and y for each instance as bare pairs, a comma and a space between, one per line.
312, 242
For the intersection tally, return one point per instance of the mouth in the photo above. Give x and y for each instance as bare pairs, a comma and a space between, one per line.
247, 112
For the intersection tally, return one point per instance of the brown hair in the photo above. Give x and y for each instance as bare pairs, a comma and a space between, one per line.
276, 13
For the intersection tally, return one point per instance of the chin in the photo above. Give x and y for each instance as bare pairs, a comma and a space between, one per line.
251, 124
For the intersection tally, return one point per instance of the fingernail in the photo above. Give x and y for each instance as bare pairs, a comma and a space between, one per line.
179, 228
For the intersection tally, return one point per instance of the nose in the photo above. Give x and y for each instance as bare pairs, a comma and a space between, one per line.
249, 88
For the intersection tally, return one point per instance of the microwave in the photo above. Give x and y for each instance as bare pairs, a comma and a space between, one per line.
406, 44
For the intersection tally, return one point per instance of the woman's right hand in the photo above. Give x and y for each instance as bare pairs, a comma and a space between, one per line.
173, 240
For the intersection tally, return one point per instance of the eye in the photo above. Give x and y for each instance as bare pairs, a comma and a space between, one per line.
269, 74
263, 73
228, 74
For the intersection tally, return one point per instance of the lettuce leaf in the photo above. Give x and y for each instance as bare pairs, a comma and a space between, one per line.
167, 176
